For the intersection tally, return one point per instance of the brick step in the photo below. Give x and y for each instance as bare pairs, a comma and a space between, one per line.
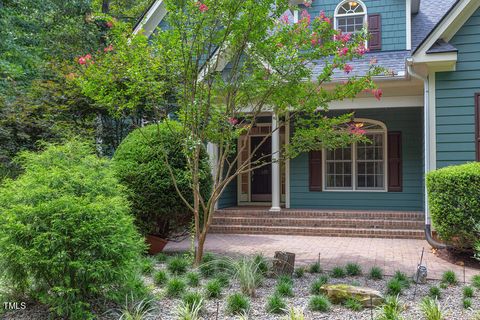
325, 232
331, 214
319, 222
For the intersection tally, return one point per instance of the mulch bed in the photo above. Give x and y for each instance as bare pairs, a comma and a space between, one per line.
458, 258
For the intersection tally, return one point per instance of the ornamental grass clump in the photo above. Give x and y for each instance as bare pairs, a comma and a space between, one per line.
338, 272
193, 279
147, 265
431, 309
188, 311
213, 289
315, 287
178, 265
434, 292
299, 272
353, 304
248, 272
193, 299
315, 268
133, 309
175, 287
467, 303
353, 269
284, 289
160, 278
449, 277
319, 303
394, 287
375, 273
476, 281
275, 304
468, 292
391, 310
66, 234
238, 304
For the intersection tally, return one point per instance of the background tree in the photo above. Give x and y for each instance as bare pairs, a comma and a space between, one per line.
269, 69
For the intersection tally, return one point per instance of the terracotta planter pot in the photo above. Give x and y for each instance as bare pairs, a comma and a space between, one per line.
155, 244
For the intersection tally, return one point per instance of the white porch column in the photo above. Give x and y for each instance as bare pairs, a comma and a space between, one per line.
275, 164
212, 150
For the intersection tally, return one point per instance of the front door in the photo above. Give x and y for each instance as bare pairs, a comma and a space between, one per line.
261, 178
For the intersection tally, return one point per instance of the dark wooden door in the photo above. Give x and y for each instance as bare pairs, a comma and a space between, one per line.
261, 178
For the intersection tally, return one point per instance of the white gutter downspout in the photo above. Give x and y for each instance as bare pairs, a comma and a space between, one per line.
426, 127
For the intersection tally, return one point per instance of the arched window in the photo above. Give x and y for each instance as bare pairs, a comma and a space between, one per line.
360, 166
350, 16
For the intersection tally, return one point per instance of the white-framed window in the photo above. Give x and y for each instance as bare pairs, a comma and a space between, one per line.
359, 166
350, 16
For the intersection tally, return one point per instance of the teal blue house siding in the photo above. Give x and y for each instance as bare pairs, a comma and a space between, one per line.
455, 104
393, 15
229, 196
406, 120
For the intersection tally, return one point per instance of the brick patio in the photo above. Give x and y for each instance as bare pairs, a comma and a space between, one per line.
389, 254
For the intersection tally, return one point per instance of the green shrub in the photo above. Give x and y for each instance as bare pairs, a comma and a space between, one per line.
284, 289
315, 268
193, 279
192, 298
353, 269
376, 273
319, 303
175, 287
285, 279
476, 281
391, 310
317, 284
449, 277
394, 287
434, 292
238, 304
468, 292
353, 304
178, 265
140, 166
431, 309
299, 272
148, 265
160, 278
338, 272
453, 194
66, 233
275, 304
213, 289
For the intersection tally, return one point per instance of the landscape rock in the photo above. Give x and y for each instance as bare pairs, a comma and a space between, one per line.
338, 293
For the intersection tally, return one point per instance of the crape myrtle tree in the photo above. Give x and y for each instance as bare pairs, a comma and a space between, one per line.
269, 61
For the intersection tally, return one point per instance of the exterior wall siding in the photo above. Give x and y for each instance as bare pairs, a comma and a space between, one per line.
455, 105
229, 196
392, 14
406, 120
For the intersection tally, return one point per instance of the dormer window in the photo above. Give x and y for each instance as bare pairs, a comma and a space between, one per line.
350, 16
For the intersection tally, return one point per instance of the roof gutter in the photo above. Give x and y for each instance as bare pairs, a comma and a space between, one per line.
426, 118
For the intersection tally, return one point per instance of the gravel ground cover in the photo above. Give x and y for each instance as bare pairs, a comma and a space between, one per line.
451, 300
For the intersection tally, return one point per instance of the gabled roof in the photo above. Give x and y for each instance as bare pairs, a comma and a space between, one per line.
440, 46
430, 14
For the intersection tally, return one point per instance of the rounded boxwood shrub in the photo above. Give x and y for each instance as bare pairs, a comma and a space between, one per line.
454, 199
66, 233
139, 163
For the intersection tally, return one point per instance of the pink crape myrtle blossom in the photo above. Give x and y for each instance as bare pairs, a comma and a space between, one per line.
202, 7
347, 68
284, 19
233, 121
305, 17
84, 59
109, 24
307, 3
327, 20
361, 49
377, 93
108, 49
343, 51
356, 128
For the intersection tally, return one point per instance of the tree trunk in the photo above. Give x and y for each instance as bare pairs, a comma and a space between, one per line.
283, 263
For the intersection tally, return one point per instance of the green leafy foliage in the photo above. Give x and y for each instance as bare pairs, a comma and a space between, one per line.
284, 289
66, 234
160, 278
476, 281
353, 304
431, 309
338, 272
454, 203
353, 269
139, 163
275, 304
317, 284
449, 277
237, 304
193, 279
319, 303
434, 292
175, 287
213, 289
376, 273
299, 272
315, 268
178, 265
391, 310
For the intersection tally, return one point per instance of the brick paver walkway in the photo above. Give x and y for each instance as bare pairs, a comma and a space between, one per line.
389, 254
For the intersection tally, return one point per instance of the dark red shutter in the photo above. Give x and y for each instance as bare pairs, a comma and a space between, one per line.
394, 161
477, 125
315, 170
375, 30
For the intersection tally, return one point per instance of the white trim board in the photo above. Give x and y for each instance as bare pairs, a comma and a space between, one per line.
385, 102
152, 19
